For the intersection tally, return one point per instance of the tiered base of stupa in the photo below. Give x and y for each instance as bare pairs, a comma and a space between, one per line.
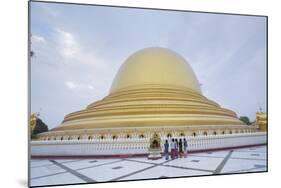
138, 112
124, 122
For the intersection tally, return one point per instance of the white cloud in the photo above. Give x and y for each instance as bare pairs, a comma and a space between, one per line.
50, 11
73, 50
38, 39
78, 86
70, 85
68, 45
90, 87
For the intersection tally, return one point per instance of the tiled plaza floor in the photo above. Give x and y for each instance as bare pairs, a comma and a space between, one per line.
55, 172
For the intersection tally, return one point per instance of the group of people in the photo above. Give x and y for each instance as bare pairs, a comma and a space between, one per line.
176, 148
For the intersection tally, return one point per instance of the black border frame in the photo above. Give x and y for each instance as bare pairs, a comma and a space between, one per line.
132, 7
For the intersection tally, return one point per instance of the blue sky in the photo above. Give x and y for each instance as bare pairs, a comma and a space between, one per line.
78, 50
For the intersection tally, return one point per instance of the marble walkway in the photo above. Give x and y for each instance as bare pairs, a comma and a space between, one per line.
56, 172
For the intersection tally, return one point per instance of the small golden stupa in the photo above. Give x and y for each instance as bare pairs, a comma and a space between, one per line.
155, 90
261, 121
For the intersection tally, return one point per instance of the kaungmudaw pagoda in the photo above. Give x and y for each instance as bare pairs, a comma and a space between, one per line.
154, 91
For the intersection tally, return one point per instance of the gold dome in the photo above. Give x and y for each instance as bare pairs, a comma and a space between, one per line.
155, 66
155, 87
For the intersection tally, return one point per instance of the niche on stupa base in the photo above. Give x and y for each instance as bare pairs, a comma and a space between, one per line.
154, 150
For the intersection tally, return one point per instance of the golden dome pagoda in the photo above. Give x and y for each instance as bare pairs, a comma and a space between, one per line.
155, 66
155, 89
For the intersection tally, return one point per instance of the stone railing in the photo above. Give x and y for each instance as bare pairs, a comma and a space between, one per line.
131, 146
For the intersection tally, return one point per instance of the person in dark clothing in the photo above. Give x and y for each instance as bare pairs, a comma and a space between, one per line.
166, 150
180, 148
177, 148
185, 147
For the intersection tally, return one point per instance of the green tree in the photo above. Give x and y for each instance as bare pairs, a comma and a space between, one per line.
39, 128
245, 119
